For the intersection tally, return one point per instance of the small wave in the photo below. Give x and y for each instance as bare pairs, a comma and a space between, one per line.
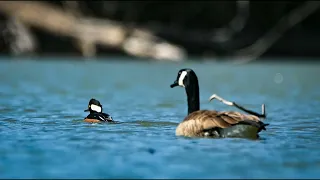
153, 123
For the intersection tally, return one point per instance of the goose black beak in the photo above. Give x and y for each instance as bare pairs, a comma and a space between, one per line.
174, 84
86, 110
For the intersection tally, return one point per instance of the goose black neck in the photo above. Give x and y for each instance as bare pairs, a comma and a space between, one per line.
192, 91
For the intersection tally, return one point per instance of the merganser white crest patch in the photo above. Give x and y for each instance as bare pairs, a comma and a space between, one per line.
95, 108
181, 78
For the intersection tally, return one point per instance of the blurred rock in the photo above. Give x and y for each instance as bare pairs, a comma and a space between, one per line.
19, 38
165, 30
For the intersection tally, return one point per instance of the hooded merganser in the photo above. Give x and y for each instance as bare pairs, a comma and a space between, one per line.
96, 115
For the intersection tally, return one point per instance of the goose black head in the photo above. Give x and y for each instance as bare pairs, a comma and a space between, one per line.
188, 79
94, 106
184, 78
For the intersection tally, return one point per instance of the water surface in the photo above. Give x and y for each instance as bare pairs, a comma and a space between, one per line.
42, 134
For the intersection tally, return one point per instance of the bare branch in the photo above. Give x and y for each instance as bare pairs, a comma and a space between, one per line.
284, 24
263, 115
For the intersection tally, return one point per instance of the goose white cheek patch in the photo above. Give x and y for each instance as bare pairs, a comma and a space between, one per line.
96, 108
181, 78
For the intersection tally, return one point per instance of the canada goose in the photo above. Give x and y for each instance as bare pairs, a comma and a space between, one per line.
211, 123
96, 115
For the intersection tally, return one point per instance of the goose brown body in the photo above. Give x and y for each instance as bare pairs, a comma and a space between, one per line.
205, 123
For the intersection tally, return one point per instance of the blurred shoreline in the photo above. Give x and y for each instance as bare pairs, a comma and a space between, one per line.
213, 30
188, 61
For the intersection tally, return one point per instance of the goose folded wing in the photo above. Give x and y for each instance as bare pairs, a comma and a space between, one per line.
233, 117
205, 120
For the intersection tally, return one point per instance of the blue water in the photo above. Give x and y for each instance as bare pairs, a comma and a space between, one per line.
42, 134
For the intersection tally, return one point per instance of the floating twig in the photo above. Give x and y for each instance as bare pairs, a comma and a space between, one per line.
229, 103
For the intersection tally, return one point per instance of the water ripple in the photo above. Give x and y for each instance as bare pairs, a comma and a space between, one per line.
43, 135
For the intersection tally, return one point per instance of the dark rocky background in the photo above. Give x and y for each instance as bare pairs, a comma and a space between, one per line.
203, 29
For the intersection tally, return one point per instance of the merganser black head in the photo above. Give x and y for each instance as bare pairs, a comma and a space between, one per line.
94, 106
